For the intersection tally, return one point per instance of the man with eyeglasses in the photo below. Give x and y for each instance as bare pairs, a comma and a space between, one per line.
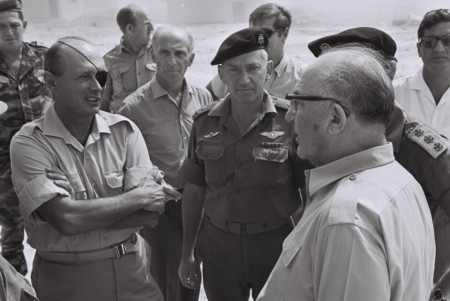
366, 233
129, 64
84, 226
26, 97
426, 94
286, 71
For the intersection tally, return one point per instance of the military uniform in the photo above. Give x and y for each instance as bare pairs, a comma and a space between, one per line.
14, 286
426, 155
127, 72
27, 98
250, 193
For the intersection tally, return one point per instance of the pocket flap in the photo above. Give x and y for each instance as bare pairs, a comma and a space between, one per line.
119, 71
275, 154
289, 252
114, 179
210, 151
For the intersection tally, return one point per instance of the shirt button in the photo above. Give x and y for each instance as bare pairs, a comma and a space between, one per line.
352, 178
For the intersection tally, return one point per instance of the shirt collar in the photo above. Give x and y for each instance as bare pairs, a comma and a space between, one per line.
53, 126
418, 82
323, 176
280, 68
158, 90
223, 108
121, 47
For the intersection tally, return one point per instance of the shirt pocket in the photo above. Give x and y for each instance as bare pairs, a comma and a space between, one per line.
114, 180
118, 80
290, 252
212, 155
271, 166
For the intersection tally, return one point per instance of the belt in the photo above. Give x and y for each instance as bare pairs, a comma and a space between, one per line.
113, 251
248, 228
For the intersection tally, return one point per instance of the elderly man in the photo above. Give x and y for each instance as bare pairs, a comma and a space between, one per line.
287, 71
366, 233
129, 64
26, 97
86, 240
426, 94
240, 176
168, 102
419, 148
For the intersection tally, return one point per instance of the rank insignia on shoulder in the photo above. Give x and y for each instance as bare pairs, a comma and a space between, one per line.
272, 134
204, 109
427, 137
211, 135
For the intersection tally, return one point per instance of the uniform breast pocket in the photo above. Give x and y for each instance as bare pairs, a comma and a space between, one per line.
212, 156
271, 166
114, 180
119, 83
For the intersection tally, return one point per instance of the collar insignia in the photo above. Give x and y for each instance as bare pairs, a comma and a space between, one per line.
210, 135
272, 134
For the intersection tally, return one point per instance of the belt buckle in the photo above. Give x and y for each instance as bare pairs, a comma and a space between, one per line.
119, 250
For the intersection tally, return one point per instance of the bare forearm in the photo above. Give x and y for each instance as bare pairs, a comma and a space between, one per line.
138, 219
192, 208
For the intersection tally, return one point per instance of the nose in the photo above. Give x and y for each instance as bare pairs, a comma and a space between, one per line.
244, 78
439, 47
290, 115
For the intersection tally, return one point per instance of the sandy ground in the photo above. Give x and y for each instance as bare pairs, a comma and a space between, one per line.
105, 33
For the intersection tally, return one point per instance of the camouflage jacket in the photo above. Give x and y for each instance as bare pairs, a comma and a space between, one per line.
27, 97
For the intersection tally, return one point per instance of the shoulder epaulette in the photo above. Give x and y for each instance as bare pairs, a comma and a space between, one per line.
204, 109
427, 137
281, 103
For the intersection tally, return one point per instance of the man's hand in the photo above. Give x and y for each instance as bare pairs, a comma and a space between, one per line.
59, 179
190, 273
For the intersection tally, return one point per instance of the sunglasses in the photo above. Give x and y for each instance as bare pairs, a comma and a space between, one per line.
296, 99
431, 41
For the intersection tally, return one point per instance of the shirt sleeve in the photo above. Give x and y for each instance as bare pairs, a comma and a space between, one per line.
29, 160
350, 265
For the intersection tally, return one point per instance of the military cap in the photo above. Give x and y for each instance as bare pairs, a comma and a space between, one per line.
242, 41
10, 5
379, 39
85, 49
3, 107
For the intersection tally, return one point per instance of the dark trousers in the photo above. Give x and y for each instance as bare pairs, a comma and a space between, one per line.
11, 221
165, 242
234, 264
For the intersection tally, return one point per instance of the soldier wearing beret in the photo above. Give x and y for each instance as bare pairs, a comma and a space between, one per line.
286, 70
417, 146
26, 98
84, 225
240, 177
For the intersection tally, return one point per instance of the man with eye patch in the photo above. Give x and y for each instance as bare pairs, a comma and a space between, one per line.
26, 97
426, 94
83, 219
240, 177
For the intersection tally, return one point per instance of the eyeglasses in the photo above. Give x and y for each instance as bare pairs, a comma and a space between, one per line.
431, 41
295, 99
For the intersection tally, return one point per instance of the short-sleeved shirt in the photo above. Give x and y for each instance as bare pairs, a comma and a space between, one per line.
27, 98
127, 72
249, 178
165, 124
366, 234
113, 160
415, 97
281, 82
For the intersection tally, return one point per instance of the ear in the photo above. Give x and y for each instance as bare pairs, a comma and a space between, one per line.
418, 49
191, 59
338, 120
25, 25
220, 71
269, 67
285, 34
152, 52
129, 28
49, 79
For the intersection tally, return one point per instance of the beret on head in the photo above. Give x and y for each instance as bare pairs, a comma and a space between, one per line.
10, 5
379, 39
242, 41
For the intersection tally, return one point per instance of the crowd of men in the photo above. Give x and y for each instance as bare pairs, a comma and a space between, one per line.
277, 181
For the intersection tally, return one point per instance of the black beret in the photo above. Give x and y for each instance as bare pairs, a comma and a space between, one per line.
379, 39
10, 5
242, 41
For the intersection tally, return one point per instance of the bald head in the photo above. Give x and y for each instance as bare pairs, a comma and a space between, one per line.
174, 34
129, 14
356, 76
